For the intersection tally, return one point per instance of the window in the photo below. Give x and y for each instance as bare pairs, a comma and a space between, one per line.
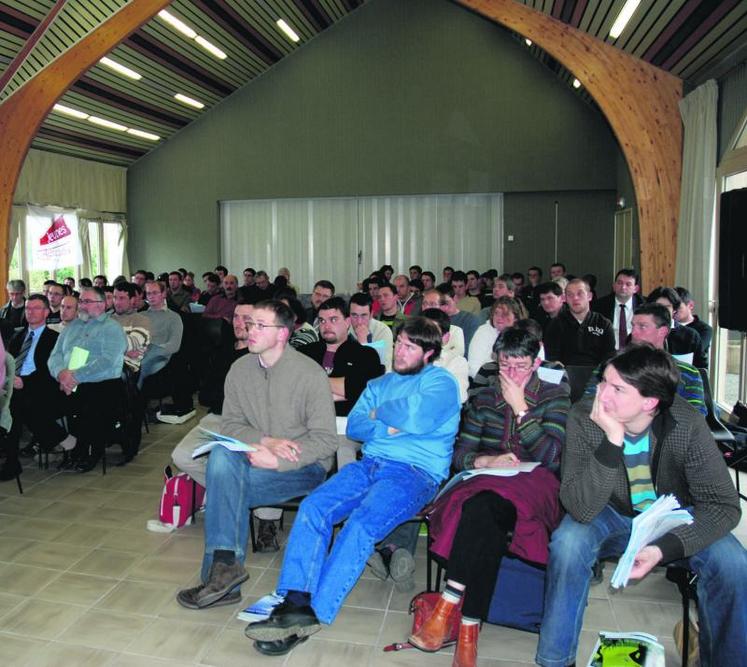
730, 347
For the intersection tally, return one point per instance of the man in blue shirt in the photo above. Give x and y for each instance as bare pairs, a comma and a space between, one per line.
87, 362
407, 421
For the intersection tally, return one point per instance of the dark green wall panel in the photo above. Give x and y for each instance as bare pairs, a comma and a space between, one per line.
400, 97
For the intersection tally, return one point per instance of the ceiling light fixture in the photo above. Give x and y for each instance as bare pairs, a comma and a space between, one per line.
180, 25
107, 123
528, 41
211, 48
188, 100
623, 17
289, 32
143, 135
121, 69
68, 111
576, 83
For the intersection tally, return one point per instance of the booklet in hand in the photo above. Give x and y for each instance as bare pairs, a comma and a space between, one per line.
211, 440
508, 471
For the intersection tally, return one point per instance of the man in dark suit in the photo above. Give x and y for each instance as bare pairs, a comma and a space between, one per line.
619, 306
681, 340
37, 400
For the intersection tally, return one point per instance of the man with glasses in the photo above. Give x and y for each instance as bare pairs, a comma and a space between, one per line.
166, 330
278, 401
87, 362
54, 293
33, 387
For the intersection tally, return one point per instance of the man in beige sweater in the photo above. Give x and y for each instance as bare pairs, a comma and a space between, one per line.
278, 401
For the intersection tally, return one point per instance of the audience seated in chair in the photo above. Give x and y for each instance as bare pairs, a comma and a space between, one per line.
519, 419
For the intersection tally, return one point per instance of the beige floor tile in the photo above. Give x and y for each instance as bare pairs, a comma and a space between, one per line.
23, 505
80, 534
654, 587
77, 588
397, 627
56, 654
109, 519
8, 603
163, 638
106, 563
141, 541
135, 597
132, 660
599, 615
56, 556
42, 619
190, 548
21, 579
164, 570
15, 650
130, 501
231, 648
10, 547
329, 653
98, 628
410, 658
35, 529
370, 593
86, 496
63, 511
506, 643
653, 617
359, 626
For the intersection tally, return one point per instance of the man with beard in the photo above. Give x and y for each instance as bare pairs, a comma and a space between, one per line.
407, 421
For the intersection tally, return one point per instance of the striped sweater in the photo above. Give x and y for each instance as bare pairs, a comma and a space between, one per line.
490, 426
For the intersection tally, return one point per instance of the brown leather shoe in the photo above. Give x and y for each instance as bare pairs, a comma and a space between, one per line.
435, 628
466, 650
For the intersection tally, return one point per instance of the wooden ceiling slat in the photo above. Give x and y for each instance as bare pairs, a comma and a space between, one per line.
653, 22
729, 31
605, 10
588, 15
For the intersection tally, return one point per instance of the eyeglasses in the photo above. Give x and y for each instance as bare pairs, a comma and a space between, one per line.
86, 302
519, 368
261, 326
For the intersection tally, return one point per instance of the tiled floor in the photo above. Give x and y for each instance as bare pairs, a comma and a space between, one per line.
83, 583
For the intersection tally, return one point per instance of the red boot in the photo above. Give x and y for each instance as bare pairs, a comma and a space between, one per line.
466, 650
435, 629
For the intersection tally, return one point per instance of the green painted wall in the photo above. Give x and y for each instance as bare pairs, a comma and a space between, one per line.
400, 97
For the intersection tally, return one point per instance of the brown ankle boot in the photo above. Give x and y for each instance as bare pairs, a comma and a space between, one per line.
466, 650
435, 629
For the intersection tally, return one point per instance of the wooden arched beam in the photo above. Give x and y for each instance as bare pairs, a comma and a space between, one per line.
641, 105
23, 112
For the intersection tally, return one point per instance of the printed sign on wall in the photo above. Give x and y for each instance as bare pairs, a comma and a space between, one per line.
52, 238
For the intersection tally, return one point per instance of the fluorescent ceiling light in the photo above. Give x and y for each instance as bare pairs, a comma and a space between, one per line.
61, 108
290, 33
107, 123
121, 69
576, 83
177, 23
210, 48
623, 17
528, 41
188, 100
143, 135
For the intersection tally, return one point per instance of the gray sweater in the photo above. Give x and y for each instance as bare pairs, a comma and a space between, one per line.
291, 399
684, 461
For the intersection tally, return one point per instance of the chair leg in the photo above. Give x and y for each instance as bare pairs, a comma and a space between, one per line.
18, 481
685, 625
252, 535
103, 461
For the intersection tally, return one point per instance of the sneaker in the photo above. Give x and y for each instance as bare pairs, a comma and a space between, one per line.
221, 582
285, 621
267, 540
379, 563
402, 570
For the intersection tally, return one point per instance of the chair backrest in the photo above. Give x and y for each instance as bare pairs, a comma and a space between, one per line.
718, 429
578, 376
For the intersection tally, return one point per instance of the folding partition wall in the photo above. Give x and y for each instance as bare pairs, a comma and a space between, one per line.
345, 239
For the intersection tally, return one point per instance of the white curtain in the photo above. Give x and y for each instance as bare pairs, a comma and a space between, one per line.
698, 197
345, 239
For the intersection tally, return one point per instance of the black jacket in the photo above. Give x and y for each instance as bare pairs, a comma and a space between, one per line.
684, 340
355, 362
586, 344
44, 383
606, 306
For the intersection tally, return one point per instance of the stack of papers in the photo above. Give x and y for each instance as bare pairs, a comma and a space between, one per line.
211, 440
508, 471
261, 609
662, 516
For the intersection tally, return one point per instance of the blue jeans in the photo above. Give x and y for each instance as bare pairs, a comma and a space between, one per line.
234, 487
721, 586
374, 495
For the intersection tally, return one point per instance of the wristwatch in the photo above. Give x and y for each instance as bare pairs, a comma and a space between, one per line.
521, 415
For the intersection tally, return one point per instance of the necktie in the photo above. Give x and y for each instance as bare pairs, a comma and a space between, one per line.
24, 351
622, 328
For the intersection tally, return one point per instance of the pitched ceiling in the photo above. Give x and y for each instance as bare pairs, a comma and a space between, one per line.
693, 39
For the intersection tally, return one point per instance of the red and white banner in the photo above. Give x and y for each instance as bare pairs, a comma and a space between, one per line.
52, 238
